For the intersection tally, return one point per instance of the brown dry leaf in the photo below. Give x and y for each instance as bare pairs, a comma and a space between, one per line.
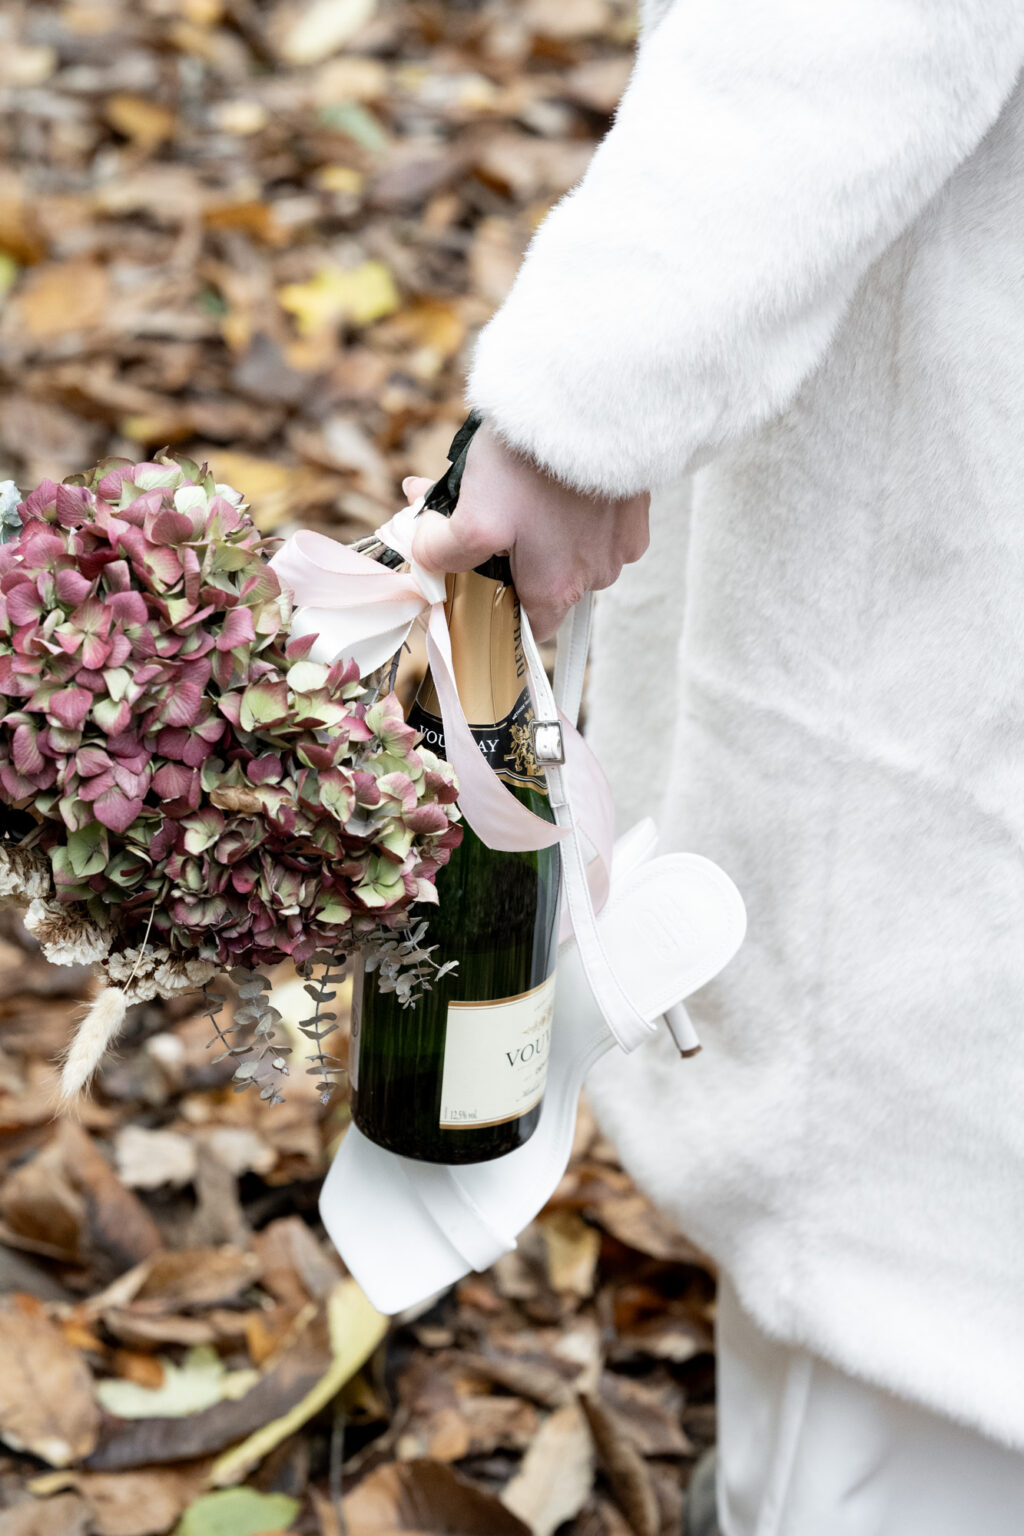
610, 1199
20, 235
533, 1373
129, 1503
143, 1370
555, 1479
146, 1159
217, 1326
571, 1249
194, 1278
569, 19
495, 257
138, 118
61, 297
65, 1515
426, 1498
156, 1442
599, 83
451, 1417
41, 1209
649, 1413
46, 1401
119, 1229
628, 1474
294, 1267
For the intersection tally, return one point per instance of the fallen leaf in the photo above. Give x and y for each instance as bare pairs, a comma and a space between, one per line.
294, 1267
322, 28
147, 1158
627, 1472
349, 79
65, 1515
46, 1401
426, 1498
238, 1512
199, 1382
119, 1229
599, 83
196, 1277
571, 1248
61, 297
272, 489
41, 1207
358, 295
355, 1328
567, 19
145, 122
158, 1441
649, 1413
127, 1503
133, 1365
555, 1479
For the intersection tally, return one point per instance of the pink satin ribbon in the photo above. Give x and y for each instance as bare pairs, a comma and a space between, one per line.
361, 608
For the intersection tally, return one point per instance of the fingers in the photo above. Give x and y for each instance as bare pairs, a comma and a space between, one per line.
632, 529
414, 486
545, 618
455, 543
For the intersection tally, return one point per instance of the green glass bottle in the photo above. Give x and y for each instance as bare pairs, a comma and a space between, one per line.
458, 1076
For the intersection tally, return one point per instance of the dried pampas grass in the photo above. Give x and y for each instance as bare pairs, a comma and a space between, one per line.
100, 1026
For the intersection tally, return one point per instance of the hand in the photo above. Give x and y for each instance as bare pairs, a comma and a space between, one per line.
562, 542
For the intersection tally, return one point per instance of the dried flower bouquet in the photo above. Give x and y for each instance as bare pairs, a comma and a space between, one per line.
182, 791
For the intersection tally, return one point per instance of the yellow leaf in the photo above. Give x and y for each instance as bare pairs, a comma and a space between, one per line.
200, 1382
268, 487
339, 178
240, 116
153, 428
359, 295
356, 1328
145, 122
350, 79
323, 28
433, 323
8, 273
204, 13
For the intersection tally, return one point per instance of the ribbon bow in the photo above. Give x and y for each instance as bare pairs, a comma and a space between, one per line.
363, 610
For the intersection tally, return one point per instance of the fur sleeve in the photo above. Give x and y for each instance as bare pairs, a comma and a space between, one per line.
764, 154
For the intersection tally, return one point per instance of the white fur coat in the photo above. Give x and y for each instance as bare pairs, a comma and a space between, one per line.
789, 294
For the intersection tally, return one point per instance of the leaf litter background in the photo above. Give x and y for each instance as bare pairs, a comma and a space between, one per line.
267, 233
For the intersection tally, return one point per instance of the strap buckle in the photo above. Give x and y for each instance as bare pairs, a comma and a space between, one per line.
546, 741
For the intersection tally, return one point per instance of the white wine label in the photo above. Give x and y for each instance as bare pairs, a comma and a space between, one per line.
496, 1058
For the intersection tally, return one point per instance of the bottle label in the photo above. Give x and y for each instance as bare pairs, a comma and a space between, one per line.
496, 1058
506, 745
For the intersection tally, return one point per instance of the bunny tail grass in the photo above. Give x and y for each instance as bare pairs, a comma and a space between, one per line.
99, 1027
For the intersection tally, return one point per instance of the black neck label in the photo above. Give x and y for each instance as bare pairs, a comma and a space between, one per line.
506, 745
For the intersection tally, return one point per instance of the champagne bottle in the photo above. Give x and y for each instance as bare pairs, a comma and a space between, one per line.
458, 1076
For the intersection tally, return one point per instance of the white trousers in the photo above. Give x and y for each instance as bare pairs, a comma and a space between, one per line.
805, 1450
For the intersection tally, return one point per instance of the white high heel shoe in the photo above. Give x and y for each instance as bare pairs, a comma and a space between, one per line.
409, 1229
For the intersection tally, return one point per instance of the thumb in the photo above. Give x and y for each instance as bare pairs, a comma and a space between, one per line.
415, 485
450, 543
